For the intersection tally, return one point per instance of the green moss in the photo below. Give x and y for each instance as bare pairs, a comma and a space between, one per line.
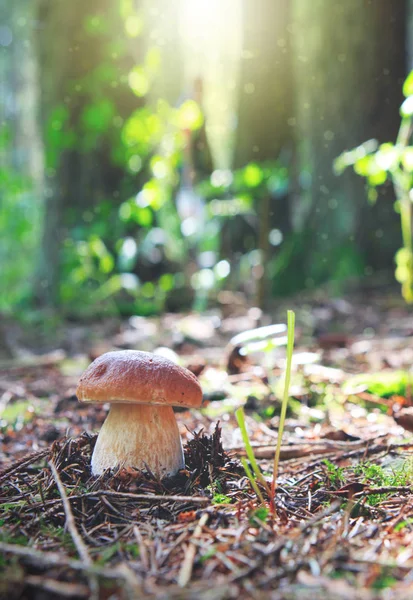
221, 499
16, 414
384, 384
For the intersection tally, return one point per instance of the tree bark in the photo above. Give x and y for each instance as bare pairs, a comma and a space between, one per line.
21, 152
348, 65
265, 93
264, 110
162, 31
69, 56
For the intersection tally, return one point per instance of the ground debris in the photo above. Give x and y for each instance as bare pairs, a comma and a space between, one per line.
344, 525
174, 531
207, 461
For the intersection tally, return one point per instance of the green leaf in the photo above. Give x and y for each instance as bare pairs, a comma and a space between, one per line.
153, 60
106, 263
141, 130
377, 178
221, 499
252, 480
399, 526
107, 289
166, 282
189, 116
125, 211
363, 165
253, 175
406, 109
407, 159
290, 349
133, 25
160, 167
97, 246
387, 157
152, 191
261, 513
138, 81
108, 553
98, 117
143, 216
372, 195
368, 166
239, 414
404, 257
126, 8
408, 85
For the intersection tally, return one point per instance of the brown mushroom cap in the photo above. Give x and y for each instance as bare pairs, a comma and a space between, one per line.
130, 376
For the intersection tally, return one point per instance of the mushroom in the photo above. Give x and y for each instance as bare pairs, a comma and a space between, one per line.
140, 430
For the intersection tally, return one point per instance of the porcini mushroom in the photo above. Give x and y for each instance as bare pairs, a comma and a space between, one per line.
140, 429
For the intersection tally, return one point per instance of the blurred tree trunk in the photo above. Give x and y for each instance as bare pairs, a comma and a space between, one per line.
162, 31
19, 77
349, 65
21, 152
265, 92
77, 71
55, 41
265, 107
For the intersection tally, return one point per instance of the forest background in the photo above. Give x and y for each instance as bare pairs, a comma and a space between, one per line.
155, 153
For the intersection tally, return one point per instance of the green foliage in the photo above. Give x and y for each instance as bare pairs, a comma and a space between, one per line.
102, 256
405, 523
208, 554
372, 475
391, 162
19, 231
12, 506
252, 480
241, 187
239, 414
258, 516
290, 349
148, 222
384, 580
334, 473
108, 553
384, 384
221, 499
12, 538
130, 250
58, 136
233, 202
255, 475
15, 415
97, 116
59, 534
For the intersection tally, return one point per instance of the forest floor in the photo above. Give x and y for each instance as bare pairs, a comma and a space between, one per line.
343, 527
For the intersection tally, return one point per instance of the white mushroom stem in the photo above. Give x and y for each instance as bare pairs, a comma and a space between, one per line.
139, 435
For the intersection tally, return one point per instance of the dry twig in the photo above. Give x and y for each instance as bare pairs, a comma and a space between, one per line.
187, 566
76, 537
24, 462
152, 498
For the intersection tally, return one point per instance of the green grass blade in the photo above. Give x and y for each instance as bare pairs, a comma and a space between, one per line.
239, 414
290, 348
252, 480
